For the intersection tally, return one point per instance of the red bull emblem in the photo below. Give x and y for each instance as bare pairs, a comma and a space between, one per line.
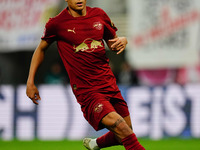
88, 45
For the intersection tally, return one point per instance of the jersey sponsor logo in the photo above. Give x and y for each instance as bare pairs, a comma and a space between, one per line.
98, 25
88, 45
98, 108
95, 44
72, 30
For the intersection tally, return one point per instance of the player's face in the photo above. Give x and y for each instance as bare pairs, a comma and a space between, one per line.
76, 5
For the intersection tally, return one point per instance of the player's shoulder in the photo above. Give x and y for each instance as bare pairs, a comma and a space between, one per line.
96, 10
62, 15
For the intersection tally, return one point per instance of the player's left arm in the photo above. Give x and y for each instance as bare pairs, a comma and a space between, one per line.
117, 44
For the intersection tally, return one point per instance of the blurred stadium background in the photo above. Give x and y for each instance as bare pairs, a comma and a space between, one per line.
158, 74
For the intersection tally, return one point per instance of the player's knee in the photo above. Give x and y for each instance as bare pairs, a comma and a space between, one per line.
121, 128
128, 121
130, 126
117, 124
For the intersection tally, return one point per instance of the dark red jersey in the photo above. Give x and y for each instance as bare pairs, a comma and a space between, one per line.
81, 47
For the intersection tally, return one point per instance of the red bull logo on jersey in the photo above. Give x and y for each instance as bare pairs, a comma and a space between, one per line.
88, 45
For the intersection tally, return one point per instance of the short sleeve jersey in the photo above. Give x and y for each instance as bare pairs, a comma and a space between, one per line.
81, 47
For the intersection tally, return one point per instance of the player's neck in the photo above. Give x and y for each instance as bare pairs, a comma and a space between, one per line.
77, 13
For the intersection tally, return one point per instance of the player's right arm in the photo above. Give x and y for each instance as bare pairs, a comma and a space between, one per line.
38, 57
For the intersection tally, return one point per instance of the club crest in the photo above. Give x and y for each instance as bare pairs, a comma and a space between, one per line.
98, 108
98, 25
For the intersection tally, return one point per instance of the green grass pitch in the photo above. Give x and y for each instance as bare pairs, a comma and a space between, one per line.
167, 144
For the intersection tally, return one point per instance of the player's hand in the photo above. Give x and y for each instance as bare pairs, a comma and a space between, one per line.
33, 93
118, 44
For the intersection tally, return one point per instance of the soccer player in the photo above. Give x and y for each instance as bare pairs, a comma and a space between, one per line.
79, 32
